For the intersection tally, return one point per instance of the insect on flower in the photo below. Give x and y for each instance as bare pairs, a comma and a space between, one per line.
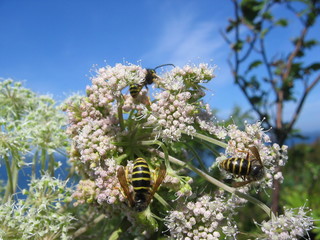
250, 169
148, 80
143, 192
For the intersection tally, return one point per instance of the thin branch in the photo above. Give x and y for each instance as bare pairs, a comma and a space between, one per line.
294, 53
301, 102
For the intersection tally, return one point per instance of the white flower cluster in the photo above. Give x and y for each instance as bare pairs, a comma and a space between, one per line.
289, 226
108, 122
180, 79
204, 219
110, 81
40, 215
254, 135
172, 114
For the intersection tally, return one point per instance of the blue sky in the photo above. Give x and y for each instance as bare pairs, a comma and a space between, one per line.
52, 45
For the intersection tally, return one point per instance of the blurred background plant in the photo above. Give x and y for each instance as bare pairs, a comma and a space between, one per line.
273, 80
31, 139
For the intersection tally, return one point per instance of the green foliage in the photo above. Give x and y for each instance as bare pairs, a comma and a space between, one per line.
256, 69
39, 216
32, 125
29, 123
302, 180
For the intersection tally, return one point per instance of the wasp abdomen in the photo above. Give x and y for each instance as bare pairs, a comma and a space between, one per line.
237, 166
141, 176
135, 90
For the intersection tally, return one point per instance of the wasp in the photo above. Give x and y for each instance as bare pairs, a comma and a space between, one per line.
143, 192
148, 80
250, 169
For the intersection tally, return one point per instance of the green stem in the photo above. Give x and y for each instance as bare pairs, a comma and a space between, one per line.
222, 185
201, 163
51, 164
164, 148
87, 226
120, 158
43, 160
162, 201
209, 139
34, 164
123, 226
120, 114
9, 188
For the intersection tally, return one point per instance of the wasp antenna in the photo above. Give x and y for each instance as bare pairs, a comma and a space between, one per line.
162, 65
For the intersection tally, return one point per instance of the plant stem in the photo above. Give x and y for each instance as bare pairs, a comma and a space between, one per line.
120, 114
221, 185
209, 139
9, 188
164, 148
51, 165
86, 227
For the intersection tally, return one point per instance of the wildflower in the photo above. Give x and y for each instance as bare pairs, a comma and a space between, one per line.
254, 135
289, 225
40, 215
203, 219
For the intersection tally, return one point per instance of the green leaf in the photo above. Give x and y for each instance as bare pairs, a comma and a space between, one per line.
282, 22
237, 46
255, 99
313, 67
250, 9
253, 65
267, 15
311, 43
229, 28
232, 25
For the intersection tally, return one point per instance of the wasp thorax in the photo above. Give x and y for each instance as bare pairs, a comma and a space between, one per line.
257, 172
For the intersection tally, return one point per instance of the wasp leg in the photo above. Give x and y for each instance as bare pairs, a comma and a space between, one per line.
247, 152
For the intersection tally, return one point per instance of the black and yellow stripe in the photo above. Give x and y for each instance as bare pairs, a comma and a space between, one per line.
237, 166
141, 176
135, 90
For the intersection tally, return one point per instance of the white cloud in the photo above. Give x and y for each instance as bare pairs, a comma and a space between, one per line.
183, 37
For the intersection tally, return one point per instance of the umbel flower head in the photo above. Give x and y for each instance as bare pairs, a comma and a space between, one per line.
110, 128
292, 224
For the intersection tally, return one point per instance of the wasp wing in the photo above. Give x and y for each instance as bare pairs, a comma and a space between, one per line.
124, 185
255, 152
161, 176
240, 184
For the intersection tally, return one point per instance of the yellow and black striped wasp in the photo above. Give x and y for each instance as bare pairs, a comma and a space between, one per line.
250, 169
143, 192
148, 80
